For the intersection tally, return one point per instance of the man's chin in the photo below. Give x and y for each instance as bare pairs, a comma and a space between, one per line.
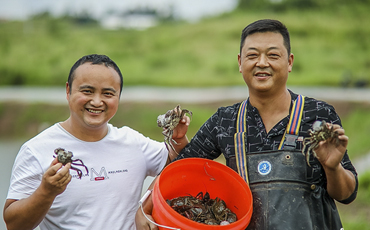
96, 124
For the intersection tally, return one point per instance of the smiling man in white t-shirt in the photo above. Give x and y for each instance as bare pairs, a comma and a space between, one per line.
44, 192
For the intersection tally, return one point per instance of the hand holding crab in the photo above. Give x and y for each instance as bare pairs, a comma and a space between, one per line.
55, 179
327, 142
65, 157
169, 121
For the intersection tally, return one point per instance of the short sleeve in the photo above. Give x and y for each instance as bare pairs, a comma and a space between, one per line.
26, 174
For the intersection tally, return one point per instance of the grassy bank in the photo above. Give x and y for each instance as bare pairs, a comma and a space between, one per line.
331, 47
23, 121
19, 120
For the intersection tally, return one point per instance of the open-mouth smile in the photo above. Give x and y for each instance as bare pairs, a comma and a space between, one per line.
94, 111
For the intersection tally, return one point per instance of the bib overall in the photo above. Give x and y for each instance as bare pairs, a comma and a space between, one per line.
283, 198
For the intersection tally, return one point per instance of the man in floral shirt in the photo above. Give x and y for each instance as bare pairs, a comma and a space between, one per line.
262, 139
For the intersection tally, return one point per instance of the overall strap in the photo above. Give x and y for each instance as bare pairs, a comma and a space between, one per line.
239, 141
287, 142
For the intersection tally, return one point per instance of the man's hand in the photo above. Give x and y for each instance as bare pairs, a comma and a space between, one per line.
142, 223
28, 213
141, 220
181, 129
341, 183
179, 135
56, 178
330, 152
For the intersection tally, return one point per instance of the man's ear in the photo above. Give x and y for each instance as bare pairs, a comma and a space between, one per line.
290, 62
67, 91
239, 63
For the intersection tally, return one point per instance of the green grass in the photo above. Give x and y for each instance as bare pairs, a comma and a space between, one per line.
327, 44
357, 127
19, 120
356, 215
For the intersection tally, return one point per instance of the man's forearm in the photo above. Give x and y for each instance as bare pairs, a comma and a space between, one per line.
181, 144
341, 183
27, 213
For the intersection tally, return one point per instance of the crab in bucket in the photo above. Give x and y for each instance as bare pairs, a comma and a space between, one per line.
203, 209
319, 132
169, 121
65, 157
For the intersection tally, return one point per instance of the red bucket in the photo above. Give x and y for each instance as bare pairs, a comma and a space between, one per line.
193, 175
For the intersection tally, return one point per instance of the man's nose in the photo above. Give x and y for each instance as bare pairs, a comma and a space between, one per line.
262, 61
96, 100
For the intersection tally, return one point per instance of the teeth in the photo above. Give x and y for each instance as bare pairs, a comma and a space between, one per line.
263, 75
94, 111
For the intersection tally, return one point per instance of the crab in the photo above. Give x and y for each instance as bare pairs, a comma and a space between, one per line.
65, 157
221, 212
203, 209
319, 132
189, 206
169, 121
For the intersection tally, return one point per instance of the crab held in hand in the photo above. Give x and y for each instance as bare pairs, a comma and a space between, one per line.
169, 121
319, 132
65, 157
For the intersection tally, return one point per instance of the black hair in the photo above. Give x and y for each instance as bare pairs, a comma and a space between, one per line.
266, 25
95, 59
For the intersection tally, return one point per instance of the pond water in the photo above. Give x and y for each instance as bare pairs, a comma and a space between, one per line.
8, 152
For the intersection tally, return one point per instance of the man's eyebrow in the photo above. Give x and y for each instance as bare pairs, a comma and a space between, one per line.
270, 48
110, 89
93, 88
274, 48
86, 87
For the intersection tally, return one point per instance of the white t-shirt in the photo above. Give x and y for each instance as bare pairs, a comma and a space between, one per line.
105, 198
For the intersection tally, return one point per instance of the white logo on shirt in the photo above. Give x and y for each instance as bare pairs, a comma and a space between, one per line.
102, 175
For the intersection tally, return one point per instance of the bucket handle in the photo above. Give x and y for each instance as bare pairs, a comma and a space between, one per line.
141, 201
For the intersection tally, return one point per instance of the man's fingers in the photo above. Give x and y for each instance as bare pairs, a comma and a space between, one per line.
65, 179
53, 169
58, 170
54, 162
64, 171
150, 224
186, 120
